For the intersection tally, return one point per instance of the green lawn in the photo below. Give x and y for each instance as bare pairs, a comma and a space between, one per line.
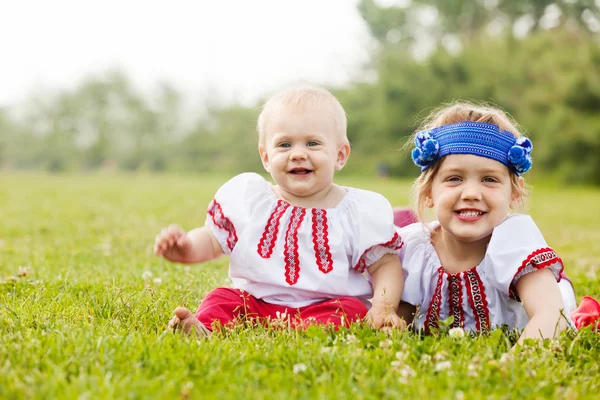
86, 319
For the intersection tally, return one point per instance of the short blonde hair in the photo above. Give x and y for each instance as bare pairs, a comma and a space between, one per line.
303, 96
453, 114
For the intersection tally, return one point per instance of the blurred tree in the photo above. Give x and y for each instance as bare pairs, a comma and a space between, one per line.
450, 23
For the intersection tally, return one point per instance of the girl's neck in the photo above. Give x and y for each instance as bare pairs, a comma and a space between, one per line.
455, 255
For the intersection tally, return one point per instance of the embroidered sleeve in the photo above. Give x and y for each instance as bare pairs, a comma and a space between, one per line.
374, 253
228, 211
517, 248
539, 259
222, 225
376, 234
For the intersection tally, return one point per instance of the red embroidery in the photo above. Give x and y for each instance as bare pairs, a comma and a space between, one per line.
433, 313
292, 262
539, 259
222, 222
269, 236
455, 298
477, 300
395, 243
321, 241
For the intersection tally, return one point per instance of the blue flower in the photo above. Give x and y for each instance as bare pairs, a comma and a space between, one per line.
427, 150
519, 155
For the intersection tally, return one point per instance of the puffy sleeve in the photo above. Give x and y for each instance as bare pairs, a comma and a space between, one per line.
414, 257
227, 213
374, 234
518, 248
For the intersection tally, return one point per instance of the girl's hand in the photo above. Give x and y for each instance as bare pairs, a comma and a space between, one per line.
173, 244
384, 317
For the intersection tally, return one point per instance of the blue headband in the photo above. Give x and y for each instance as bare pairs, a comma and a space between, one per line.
476, 138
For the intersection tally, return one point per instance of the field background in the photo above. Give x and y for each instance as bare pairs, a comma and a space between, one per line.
86, 317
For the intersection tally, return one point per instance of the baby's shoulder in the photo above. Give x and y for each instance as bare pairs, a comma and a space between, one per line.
418, 233
367, 197
244, 185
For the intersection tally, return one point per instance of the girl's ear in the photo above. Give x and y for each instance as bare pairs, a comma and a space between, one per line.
429, 201
342, 156
517, 198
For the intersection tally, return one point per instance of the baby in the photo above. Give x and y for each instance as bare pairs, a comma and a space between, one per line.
304, 249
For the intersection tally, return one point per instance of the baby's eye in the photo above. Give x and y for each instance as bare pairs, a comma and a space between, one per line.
284, 145
312, 143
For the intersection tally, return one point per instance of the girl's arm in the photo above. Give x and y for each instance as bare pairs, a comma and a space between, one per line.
388, 282
544, 304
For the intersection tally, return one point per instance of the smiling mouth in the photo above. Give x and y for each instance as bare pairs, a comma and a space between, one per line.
300, 171
469, 213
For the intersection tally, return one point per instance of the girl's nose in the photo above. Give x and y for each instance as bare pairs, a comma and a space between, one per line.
471, 191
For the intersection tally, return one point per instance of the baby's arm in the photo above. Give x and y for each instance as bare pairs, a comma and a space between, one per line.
388, 281
544, 304
196, 246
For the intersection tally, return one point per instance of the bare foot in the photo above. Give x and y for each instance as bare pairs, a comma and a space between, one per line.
186, 321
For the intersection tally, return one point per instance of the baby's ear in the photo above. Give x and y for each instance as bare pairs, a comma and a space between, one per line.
342, 156
264, 157
517, 194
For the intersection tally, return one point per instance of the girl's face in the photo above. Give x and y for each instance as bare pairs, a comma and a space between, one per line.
471, 195
302, 150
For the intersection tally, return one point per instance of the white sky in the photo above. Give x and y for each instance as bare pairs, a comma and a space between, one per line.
240, 49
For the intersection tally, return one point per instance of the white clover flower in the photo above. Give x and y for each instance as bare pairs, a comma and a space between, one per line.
351, 339
472, 370
157, 281
406, 373
442, 365
384, 344
439, 356
456, 333
426, 358
298, 368
147, 275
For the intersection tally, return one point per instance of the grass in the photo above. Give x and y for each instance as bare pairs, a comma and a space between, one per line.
86, 318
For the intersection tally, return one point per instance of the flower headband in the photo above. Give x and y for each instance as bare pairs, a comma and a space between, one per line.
477, 138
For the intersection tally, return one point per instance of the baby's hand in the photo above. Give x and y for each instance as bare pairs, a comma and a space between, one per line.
173, 244
385, 318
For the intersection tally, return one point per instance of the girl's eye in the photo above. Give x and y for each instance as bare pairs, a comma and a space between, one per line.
489, 179
453, 179
312, 143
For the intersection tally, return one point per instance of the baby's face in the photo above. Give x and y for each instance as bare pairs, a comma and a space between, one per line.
301, 149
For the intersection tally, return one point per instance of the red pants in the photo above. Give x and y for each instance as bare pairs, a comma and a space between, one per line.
225, 304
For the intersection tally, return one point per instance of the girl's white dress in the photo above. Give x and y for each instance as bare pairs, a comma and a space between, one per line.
295, 256
483, 297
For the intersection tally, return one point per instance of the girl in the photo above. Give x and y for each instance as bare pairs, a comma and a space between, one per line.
477, 263
298, 248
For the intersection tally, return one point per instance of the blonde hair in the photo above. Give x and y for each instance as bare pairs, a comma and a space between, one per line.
303, 97
452, 114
